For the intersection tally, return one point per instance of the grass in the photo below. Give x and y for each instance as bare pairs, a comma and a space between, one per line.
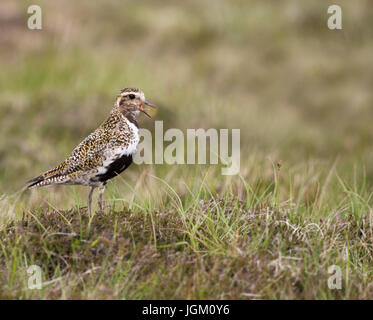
201, 244
301, 96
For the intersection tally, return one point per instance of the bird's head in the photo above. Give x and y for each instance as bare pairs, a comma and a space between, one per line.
132, 101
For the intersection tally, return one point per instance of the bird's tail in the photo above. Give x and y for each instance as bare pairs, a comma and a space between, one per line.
50, 177
35, 182
42, 181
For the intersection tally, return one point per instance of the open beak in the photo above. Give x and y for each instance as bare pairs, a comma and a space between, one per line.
148, 104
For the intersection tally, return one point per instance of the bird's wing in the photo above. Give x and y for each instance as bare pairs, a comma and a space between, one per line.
96, 152
86, 156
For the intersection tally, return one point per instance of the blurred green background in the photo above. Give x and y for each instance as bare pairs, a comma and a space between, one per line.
299, 91
301, 95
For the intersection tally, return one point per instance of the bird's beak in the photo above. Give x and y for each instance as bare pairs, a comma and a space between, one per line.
148, 104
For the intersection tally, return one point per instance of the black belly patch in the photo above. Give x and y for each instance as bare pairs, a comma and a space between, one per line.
115, 168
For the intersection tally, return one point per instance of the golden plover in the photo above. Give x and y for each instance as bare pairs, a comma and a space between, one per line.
105, 153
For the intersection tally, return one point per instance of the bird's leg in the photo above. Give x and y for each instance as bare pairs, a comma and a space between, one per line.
101, 192
90, 200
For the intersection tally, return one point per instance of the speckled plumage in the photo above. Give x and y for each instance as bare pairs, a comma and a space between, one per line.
86, 162
106, 152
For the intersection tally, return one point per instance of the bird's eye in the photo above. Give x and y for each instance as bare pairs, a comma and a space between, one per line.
131, 96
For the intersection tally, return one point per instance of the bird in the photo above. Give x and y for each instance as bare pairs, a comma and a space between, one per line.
105, 153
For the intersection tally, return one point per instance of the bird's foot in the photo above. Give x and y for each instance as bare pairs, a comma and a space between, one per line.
101, 209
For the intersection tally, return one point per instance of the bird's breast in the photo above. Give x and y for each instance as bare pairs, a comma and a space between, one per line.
133, 138
123, 145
